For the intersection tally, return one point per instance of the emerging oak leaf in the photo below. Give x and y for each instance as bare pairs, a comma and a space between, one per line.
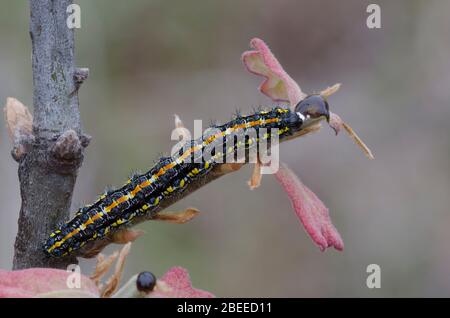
310, 210
176, 283
278, 85
44, 282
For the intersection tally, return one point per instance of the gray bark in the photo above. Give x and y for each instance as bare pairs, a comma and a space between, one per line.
48, 170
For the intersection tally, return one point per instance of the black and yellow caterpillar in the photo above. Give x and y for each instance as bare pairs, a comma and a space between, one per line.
144, 195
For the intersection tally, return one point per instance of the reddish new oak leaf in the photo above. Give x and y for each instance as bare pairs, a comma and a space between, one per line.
176, 283
44, 282
310, 210
55, 283
278, 85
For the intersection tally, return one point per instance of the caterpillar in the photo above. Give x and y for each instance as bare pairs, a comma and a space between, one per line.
171, 177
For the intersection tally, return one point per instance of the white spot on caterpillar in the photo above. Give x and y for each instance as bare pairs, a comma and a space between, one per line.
302, 117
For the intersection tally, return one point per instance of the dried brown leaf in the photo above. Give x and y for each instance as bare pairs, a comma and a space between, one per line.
228, 167
336, 123
330, 90
102, 267
113, 282
255, 180
177, 217
181, 130
19, 120
126, 235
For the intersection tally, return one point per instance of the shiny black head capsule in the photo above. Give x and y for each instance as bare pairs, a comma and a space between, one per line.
313, 106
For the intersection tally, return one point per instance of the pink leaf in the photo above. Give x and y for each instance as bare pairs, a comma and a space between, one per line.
278, 85
36, 282
310, 210
177, 284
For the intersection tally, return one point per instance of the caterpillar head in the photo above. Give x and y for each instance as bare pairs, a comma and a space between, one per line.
313, 107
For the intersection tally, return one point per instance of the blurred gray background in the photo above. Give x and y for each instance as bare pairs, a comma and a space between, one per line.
151, 59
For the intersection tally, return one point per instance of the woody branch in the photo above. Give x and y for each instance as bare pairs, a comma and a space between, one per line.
49, 147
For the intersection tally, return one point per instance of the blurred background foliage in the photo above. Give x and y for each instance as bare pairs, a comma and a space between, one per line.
151, 59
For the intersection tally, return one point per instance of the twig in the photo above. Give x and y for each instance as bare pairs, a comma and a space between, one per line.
48, 166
